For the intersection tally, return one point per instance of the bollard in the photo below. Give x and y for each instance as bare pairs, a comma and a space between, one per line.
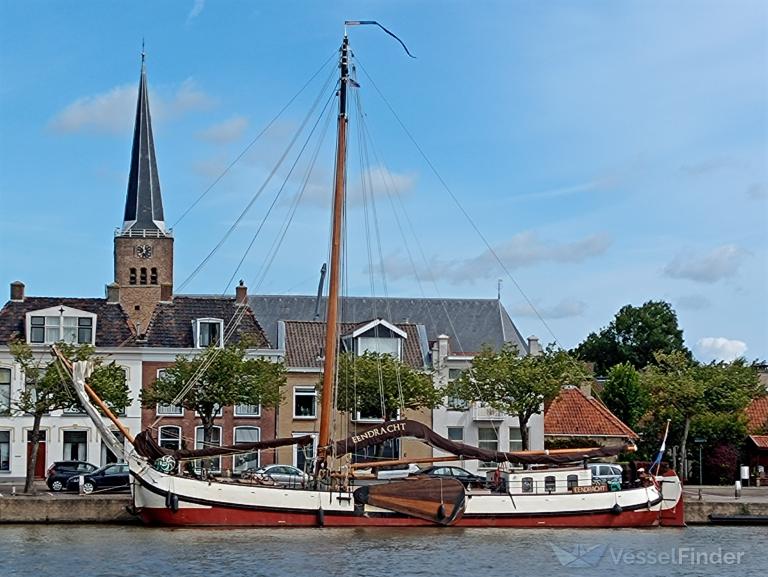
13, 491
81, 479
737, 489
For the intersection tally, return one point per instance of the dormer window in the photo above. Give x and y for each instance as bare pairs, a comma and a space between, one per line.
208, 332
377, 336
66, 324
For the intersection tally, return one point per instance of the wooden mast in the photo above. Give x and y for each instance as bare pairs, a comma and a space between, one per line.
331, 317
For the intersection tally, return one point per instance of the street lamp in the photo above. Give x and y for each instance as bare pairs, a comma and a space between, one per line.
700, 442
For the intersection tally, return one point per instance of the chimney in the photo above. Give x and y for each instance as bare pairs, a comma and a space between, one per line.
586, 388
241, 293
442, 346
17, 291
113, 293
166, 292
534, 348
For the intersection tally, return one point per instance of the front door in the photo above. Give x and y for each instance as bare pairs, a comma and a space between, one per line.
40, 463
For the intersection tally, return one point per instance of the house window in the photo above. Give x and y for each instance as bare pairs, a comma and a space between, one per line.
132, 276
247, 460
168, 410
5, 391
143, 276
488, 439
153, 275
247, 410
456, 434
455, 403
209, 332
383, 346
303, 456
70, 329
169, 437
75, 445
5, 450
215, 462
515, 439
304, 403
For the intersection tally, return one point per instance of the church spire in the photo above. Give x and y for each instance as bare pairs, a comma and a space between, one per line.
144, 202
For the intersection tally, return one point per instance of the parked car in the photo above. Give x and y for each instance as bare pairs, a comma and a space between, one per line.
284, 475
467, 479
61, 471
605, 473
112, 477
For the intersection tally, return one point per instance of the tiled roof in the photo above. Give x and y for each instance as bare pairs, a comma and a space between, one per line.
757, 415
760, 441
471, 323
171, 324
112, 328
304, 342
574, 413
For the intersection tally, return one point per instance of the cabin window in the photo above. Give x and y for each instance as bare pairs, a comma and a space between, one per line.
246, 460
209, 332
75, 445
527, 483
5, 391
247, 410
456, 434
304, 403
549, 483
488, 439
573, 481
169, 437
515, 439
69, 328
215, 462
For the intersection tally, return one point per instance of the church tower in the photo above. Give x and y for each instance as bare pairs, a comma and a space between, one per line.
143, 246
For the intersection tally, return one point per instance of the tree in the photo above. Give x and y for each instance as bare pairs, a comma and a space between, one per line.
634, 335
709, 399
624, 395
216, 378
516, 385
47, 388
372, 382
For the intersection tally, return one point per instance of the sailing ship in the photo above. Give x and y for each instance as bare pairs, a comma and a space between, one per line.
528, 488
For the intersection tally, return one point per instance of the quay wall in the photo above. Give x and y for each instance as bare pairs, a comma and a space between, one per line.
698, 512
75, 509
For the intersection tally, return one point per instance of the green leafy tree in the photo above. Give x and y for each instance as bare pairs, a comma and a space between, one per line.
706, 399
217, 378
372, 381
634, 335
516, 385
624, 395
48, 387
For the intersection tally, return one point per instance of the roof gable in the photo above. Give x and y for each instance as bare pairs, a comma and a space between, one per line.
757, 415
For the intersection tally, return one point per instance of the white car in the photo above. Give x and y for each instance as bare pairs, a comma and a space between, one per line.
605, 472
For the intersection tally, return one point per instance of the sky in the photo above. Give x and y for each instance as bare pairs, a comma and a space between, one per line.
608, 153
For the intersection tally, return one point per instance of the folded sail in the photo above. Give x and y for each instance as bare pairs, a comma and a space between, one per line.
405, 428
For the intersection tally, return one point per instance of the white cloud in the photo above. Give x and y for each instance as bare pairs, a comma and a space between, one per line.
721, 349
524, 249
564, 309
226, 131
197, 8
378, 180
721, 262
113, 111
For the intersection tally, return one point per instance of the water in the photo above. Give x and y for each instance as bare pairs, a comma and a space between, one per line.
101, 551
